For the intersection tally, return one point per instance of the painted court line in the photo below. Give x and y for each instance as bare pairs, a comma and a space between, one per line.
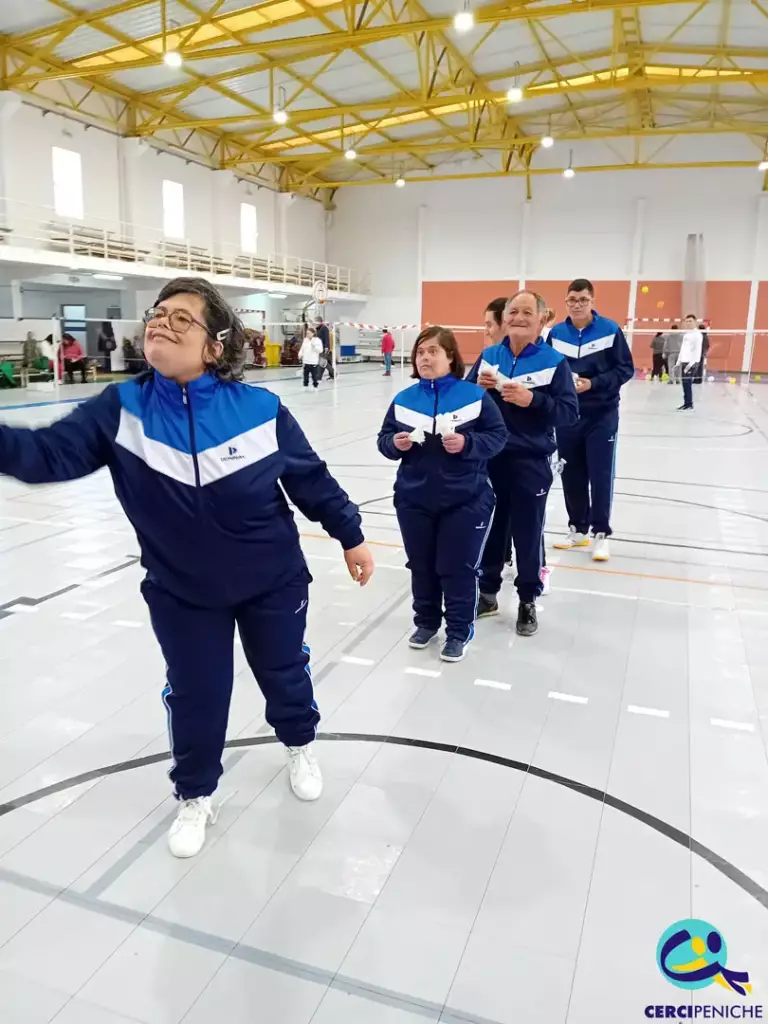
494, 684
349, 659
723, 723
635, 709
430, 673
569, 698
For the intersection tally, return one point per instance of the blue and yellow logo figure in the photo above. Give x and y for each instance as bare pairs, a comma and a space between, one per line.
692, 954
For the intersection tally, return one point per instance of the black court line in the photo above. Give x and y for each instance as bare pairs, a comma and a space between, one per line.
676, 835
6, 608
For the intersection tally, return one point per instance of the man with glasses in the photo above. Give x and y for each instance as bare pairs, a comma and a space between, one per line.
601, 363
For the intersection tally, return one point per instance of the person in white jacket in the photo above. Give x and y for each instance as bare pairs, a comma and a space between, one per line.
690, 357
310, 352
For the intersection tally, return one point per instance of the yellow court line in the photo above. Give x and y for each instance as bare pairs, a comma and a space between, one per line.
578, 568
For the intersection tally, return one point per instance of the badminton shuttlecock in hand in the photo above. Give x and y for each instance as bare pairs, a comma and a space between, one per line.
417, 435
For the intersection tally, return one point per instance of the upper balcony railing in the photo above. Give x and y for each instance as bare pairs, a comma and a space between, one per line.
22, 224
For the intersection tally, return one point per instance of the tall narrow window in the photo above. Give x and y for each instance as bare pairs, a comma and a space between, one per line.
173, 209
248, 227
67, 183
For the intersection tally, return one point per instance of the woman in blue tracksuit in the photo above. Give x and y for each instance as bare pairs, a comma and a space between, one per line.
443, 430
533, 387
201, 464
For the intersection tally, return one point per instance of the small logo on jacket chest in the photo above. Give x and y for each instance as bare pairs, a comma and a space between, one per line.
232, 455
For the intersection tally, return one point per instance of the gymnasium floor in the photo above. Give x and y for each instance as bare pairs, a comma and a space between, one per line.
499, 841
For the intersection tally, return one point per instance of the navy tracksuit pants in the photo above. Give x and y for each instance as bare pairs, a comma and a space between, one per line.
198, 643
444, 550
521, 486
589, 450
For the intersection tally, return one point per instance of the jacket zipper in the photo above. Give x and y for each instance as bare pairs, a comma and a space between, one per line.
434, 415
192, 444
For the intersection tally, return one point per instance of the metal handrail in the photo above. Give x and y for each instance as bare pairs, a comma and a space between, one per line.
38, 227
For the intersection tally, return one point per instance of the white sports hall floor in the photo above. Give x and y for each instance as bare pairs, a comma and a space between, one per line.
502, 841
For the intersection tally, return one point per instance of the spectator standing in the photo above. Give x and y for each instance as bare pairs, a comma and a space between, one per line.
310, 353
387, 348
673, 339
690, 359
657, 352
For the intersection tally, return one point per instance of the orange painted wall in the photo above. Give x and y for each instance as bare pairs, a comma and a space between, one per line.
760, 353
727, 306
662, 300
463, 303
611, 297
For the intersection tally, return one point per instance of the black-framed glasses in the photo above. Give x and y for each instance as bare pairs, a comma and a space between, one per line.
578, 302
179, 320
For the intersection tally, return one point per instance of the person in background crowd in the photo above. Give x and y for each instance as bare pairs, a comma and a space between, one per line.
549, 318
30, 352
106, 344
494, 331
310, 353
387, 348
533, 388
71, 358
657, 354
701, 373
690, 357
443, 498
673, 339
204, 466
326, 359
599, 357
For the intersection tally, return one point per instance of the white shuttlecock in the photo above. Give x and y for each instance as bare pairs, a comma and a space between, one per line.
417, 435
711, 376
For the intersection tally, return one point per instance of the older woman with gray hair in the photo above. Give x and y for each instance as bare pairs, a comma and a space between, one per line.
533, 387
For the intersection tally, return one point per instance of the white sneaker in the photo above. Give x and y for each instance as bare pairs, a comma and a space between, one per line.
573, 540
546, 582
304, 773
601, 551
187, 833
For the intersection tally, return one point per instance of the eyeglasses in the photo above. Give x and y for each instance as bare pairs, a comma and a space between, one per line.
179, 319
578, 302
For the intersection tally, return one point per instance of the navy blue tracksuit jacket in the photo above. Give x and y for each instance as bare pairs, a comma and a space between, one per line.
599, 353
444, 502
522, 475
202, 473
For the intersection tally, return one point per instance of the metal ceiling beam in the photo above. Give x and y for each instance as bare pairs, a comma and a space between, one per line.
417, 145
495, 13
549, 171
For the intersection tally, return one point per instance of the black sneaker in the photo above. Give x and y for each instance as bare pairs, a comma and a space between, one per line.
487, 605
421, 638
453, 650
527, 624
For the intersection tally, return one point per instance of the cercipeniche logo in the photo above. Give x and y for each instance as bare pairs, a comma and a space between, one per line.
692, 954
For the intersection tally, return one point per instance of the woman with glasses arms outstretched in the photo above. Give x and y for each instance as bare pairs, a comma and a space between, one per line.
200, 462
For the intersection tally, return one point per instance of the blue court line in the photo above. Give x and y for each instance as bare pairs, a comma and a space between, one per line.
40, 405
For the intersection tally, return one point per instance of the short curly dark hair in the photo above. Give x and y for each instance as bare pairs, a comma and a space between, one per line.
221, 320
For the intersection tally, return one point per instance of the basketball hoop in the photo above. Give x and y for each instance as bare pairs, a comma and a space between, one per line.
320, 292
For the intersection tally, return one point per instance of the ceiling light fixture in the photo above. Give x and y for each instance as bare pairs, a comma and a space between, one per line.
515, 93
464, 20
399, 182
280, 114
173, 58
763, 165
569, 171
547, 141
350, 154
107, 277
